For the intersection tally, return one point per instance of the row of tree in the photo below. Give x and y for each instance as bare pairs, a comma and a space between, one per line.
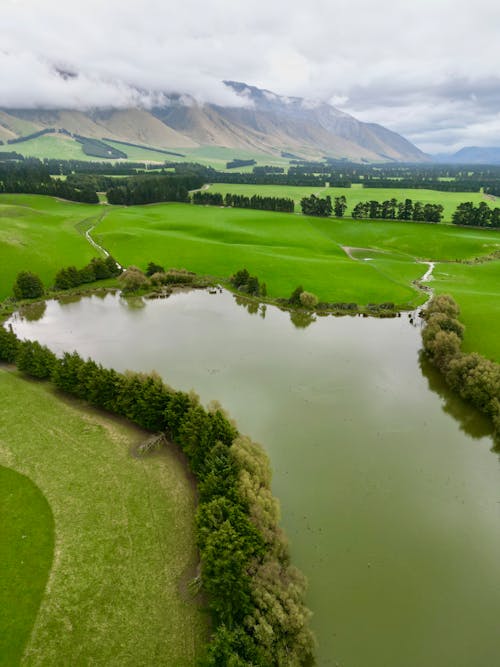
475, 378
97, 269
147, 189
476, 216
391, 209
258, 202
33, 177
323, 207
255, 596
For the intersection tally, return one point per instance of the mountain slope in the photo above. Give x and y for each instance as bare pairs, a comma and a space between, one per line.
471, 155
264, 122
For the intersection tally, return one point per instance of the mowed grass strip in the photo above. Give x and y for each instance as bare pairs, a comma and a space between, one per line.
124, 535
476, 288
449, 200
26, 550
40, 234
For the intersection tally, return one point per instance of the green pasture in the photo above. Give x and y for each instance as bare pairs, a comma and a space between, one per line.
26, 551
62, 147
339, 260
450, 200
40, 234
124, 539
52, 146
284, 250
476, 289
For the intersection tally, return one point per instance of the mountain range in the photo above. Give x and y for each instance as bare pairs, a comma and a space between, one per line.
471, 155
264, 122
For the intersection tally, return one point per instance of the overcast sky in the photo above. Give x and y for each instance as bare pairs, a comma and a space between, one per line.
428, 69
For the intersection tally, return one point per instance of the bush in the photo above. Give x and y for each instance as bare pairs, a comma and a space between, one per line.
28, 286
133, 279
308, 300
475, 378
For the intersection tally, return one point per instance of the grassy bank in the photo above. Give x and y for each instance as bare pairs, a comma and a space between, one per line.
124, 535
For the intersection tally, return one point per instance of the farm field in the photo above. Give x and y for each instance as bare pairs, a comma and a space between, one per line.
339, 260
355, 194
40, 234
285, 250
63, 147
281, 249
476, 288
124, 537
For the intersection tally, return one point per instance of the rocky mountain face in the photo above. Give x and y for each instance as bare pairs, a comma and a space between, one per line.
265, 123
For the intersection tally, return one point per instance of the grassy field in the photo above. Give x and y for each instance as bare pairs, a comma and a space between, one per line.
286, 250
339, 260
283, 250
39, 234
124, 536
26, 551
450, 200
477, 289
65, 148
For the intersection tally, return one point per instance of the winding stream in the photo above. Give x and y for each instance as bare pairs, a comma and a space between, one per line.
389, 489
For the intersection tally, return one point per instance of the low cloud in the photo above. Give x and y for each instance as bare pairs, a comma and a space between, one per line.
427, 69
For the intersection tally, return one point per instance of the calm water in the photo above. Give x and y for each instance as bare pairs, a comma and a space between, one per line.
390, 492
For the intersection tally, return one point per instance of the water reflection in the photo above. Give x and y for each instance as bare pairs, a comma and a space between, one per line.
301, 319
133, 302
471, 421
32, 312
250, 305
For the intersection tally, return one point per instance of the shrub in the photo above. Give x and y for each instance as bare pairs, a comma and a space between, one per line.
308, 300
133, 279
28, 286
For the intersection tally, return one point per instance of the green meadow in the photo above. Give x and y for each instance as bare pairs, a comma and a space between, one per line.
476, 289
339, 260
123, 528
41, 234
285, 250
63, 147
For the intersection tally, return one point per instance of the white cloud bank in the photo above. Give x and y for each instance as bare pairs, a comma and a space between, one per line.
425, 68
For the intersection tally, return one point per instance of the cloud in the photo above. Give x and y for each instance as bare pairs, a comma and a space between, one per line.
427, 69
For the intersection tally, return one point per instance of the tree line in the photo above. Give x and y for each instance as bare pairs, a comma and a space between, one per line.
323, 207
33, 177
475, 378
143, 189
255, 595
476, 216
97, 269
392, 209
257, 202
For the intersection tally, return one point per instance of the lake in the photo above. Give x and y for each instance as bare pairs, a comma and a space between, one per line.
389, 490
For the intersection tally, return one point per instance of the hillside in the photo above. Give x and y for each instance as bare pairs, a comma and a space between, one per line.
264, 123
471, 155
